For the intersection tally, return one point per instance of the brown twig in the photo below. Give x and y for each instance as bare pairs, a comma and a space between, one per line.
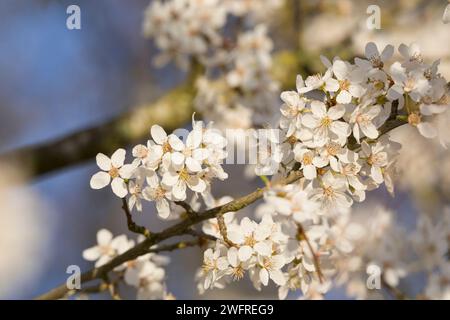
132, 226
303, 236
223, 231
186, 207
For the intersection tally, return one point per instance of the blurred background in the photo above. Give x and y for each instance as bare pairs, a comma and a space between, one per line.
56, 81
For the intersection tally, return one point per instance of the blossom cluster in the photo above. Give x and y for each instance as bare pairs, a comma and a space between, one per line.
334, 122
237, 89
166, 169
195, 29
256, 248
145, 273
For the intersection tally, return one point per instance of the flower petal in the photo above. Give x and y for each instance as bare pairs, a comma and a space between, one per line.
158, 134
245, 252
264, 276
344, 97
119, 187
103, 162
163, 208
91, 254
104, 237
176, 143
100, 180
118, 158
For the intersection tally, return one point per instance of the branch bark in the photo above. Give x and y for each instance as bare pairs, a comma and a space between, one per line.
178, 229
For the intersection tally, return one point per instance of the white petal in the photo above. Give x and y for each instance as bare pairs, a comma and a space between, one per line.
104, 237
371, 50
170, 178
264, 276
100, 180
387, 53
299, 83
127, 170
332, 85
196, 184
342, 129
179, 190
119, 187
193, 165
158, 134
370, 130
222, 263
176, 143
177, 159
118, 158
340, 69
278, 277
344, 97
263, 248
309, 121
163, 208
427, 130
291, 98
336, 112
232, 256
376, 175
92, 254
194, 139
318, 108
310, 172
245, 252
103, 162
356, 90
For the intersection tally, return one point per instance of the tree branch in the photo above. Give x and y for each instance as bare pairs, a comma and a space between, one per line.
132, 226
178, 229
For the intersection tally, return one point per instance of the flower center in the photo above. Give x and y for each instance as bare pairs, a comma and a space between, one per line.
107, 250
113, 172
292, 140
167, 147
328, 191
414, 119
160, 193
416, 57
249, 241
344, 84
267, 263
238, 272
184, 175
362, 119
377, 159
410, 83
326, 121
376, 62
209, 265
350, 169
333, 148
307, 158
142, 152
